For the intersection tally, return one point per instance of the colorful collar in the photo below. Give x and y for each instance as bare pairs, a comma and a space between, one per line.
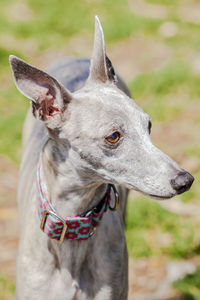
72, 228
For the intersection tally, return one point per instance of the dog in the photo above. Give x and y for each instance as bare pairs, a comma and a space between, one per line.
86, 143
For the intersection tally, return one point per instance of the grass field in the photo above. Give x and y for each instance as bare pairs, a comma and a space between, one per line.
155, 45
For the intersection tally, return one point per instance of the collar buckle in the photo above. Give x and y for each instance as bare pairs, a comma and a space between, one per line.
92, 231
43, 223
116, 205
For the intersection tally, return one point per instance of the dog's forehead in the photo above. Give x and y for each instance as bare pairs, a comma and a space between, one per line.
109, 99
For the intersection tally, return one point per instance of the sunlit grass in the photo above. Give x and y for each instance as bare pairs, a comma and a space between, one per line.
156, 90
13, 108
190, 285
7, 289
145, 216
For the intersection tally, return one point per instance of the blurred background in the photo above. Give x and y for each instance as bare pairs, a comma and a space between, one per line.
155, 46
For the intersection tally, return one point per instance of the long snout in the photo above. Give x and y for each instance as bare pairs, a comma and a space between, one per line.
182, 182
163, 177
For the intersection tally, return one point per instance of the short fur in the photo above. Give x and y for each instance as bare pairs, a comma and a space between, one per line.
74, 114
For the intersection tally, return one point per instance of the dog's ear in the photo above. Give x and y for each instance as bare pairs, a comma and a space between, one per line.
49, 98
101, 68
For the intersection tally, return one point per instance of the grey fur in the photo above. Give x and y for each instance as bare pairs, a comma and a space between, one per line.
78, 164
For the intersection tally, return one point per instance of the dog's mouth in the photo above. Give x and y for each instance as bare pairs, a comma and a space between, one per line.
160, 197
153, 196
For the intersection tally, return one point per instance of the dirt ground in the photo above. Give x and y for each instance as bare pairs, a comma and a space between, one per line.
9, 221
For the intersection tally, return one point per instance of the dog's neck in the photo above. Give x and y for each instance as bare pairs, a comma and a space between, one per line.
69, 189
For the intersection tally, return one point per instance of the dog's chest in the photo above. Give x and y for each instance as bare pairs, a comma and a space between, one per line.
63, 287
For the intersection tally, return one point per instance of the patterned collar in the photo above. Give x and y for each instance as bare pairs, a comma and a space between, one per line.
72, 228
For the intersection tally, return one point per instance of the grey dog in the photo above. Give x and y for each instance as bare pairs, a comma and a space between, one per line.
87, 133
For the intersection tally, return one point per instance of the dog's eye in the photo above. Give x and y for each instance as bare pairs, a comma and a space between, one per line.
113, 138
149, 127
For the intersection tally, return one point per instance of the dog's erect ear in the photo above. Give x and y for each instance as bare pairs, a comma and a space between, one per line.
49, 98
101, 68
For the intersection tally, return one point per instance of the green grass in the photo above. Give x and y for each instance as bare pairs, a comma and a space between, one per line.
156, 90
146, 220
52, 24
190, 285
165, 81
189, 196
13, 108
7, 288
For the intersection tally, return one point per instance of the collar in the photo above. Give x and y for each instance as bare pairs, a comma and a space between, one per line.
79, 227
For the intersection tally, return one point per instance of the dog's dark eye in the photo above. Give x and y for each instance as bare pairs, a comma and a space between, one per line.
113, 138
149, 127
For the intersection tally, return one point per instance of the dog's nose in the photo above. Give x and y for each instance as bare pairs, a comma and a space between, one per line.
182, 182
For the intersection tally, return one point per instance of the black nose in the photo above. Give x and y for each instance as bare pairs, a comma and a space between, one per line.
182, 182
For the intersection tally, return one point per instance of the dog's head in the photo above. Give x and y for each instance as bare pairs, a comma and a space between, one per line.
103, 130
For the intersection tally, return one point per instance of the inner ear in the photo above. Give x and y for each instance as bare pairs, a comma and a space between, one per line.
49, 97
45, 105
110, 70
